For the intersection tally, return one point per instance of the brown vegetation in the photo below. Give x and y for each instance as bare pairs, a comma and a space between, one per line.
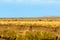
32, 25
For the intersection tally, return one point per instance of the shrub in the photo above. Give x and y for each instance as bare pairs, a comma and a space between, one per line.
28, 36
8, 34
19, 37
48, 35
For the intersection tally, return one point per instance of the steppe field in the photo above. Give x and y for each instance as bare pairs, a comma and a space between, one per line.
41, 28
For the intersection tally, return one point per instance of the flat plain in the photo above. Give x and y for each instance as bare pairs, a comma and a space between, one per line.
41, 28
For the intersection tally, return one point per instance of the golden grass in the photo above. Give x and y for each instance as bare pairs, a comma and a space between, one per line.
29, 35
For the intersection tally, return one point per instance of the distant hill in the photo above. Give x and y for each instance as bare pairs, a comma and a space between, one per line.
52, 18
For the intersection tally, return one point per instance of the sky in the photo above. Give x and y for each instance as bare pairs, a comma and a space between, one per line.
29, 8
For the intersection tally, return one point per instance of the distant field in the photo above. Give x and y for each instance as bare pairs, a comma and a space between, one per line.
43, 28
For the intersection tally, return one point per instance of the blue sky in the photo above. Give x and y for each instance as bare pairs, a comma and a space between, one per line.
29, 8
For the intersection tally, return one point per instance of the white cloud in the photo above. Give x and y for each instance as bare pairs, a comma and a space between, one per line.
32, 1
45, 1
19, 1
6, 1
39, 1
